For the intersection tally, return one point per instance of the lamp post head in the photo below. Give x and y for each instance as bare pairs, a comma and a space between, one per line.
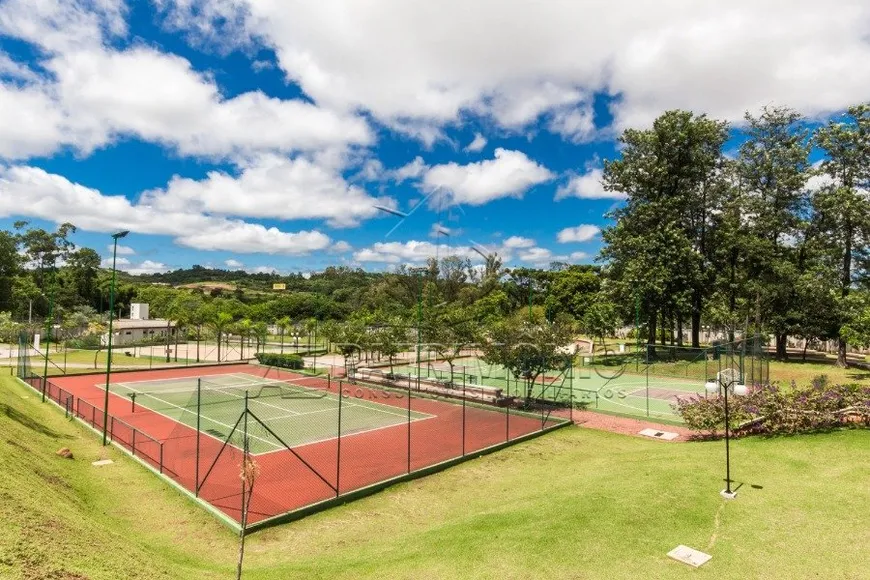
119, 235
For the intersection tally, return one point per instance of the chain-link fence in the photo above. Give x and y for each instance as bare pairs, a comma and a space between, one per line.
315, 440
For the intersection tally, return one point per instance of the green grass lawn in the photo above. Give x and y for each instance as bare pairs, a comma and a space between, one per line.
576, 504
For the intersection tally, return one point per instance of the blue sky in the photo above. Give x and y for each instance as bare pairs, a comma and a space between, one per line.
261, 134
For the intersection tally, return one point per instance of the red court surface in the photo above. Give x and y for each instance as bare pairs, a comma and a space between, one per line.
294, 478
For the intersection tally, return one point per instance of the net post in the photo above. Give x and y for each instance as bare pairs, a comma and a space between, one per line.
338, 444
245, 453
198, 408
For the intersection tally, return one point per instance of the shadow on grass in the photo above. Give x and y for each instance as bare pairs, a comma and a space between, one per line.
29, 422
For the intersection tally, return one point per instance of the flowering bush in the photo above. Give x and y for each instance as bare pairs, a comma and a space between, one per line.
770, 409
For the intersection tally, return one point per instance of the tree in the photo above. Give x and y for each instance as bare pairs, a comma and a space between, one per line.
219, 321
600, 320
283, 324
658, 252
449, 330
10, 264
527, 348
842, 207
573, 290
773, 168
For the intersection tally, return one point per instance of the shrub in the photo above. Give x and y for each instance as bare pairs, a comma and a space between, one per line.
771, 410
286, 361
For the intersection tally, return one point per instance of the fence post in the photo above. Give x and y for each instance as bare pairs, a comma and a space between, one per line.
507, 422
338, 445
198, 403
161, 456
133, 444
409, 429
112, 428
647, 390
464, 396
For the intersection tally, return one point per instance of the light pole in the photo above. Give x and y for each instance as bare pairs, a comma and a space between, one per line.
115, 237
727, 381
47, 346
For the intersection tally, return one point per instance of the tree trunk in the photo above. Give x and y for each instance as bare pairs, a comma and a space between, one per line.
781, 343
845, 283
651, 336
697, 305
680, 328
664, 322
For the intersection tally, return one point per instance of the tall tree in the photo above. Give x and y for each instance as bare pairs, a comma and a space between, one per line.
842, 207
658, 252
774, 168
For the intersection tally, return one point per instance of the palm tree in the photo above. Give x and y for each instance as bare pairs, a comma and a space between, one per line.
220, 322
283, 324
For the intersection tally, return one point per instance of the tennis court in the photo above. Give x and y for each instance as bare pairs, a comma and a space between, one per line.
300, 411
623, 388
316, 440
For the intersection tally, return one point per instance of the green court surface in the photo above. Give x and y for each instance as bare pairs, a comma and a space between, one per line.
625, 389
299, 412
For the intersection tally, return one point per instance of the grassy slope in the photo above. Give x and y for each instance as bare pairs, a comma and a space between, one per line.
575, 504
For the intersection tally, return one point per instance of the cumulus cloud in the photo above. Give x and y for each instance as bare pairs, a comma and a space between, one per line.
412, 61
94, 95
508, 174
34, 192
587, 186
122, 250
271, 186
581, 233
233, 264
477, 144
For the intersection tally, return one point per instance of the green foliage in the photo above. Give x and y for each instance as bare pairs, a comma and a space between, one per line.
772, 410
285, 361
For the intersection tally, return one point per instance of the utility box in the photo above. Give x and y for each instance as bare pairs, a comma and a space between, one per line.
138, 312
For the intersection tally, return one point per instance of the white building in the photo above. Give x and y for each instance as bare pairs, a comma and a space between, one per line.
140, 328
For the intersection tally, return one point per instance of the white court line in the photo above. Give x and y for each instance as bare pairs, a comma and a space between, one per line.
215, 421
349, 434
372, 406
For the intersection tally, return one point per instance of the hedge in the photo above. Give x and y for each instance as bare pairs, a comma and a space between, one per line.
286, 361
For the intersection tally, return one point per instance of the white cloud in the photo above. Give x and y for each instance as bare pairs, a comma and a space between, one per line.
587, 186
15, 70
94, 95
412, 170
125, 265
579, 256
430, 62
513, 249
119, 262
33, 192
477, 144
517, 242
147, 267
122, 250
233, 264
581, 233
509, 174
271, 187
575, 124
341, 247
